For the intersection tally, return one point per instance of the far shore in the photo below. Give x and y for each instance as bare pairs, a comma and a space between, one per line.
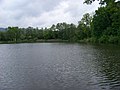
33, 41
53, 41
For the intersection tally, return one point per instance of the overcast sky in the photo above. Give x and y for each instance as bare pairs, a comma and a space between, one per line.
42, 13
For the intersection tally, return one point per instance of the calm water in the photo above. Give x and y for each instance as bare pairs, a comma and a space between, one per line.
59, 66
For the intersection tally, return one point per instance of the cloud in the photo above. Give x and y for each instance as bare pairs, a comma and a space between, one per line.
42, 13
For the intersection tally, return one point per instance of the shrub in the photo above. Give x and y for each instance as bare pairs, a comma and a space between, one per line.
114, 39
103, 39
92, 39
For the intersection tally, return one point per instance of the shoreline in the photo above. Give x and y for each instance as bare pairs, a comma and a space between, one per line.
32, 41
55, 41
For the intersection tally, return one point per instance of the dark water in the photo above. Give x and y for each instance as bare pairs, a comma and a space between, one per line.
59, 66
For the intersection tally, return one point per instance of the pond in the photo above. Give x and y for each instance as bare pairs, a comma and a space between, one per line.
59, 66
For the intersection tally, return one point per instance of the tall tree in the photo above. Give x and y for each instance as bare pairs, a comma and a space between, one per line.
13, 33
84, 26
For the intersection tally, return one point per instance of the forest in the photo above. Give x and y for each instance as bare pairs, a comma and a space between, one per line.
101, 27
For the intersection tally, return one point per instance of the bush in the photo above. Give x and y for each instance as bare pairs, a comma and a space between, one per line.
103, 39
114, 39
92, 39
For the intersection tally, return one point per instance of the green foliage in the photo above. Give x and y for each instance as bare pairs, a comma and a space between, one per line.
103, 39
106, 23
13, 33
84, 27
92, 40
100, 22
114, 39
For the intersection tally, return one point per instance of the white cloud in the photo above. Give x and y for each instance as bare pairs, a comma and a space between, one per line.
41, 13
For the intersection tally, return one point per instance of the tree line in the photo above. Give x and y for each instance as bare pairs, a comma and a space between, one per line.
102, 27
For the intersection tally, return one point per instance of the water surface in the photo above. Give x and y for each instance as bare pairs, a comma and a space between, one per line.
59, 66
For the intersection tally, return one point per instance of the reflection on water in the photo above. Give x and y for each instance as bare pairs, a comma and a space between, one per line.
108, 63
59, 66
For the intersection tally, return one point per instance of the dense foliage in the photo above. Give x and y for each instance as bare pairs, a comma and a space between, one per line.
106, 23
102, 27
